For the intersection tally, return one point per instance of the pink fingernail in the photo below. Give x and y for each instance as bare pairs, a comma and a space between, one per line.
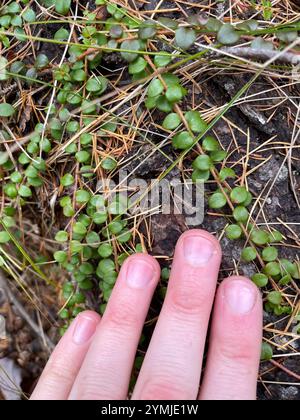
84, 329
198, 250
240, 297
139, 273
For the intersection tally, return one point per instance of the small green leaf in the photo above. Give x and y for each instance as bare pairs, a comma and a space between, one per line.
16, 177
241, 214
228, 35
195, 121
261, 44
151, 102
41, 61
68, 211
72, 126
116, 31
62, 6
147, 30
238, 195
270, 254
174, 93
275, 236
275, 298
86, 139
61, 236
67, 180
3, 68
99, 217
249, 254
233, 232
83, 156
272, 269
260, 279
60, 256
164, 105
213, 24
79, 228
4, 237
259, 237
78, 75
137, 66
108, 164
131, 45
170, 79
61, 35
6, 110
248, 25
218, 155
182, 140
287, 267
82, 196
93, 239
29, 15
65, 201
203, 163
185, 37
210, 144
266, 352
217, 201
171, 121
124, 236
162, 60
86, 268
200, 175
24, 191
226, 173
168, 23
155, 88
285, 280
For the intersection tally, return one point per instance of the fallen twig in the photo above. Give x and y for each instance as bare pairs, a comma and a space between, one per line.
261, 54
286, 370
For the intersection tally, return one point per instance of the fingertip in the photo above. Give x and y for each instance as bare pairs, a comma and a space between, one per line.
144, 258
194, 233
139, 271
242, 285
90, 315
242, 279
238, 295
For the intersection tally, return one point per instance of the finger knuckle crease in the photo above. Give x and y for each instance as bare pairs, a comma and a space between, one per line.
189, 297
162, 390
239, 352
122, 315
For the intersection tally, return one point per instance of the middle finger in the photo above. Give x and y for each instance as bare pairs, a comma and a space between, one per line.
172, 366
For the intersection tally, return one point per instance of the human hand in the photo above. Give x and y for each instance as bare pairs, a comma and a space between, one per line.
94, 359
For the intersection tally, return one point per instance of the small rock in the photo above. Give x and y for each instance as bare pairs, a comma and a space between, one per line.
273, 170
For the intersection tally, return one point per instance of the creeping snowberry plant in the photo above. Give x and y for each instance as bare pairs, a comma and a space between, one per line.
72, 142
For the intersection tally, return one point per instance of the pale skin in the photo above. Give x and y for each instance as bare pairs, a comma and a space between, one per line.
94, 359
